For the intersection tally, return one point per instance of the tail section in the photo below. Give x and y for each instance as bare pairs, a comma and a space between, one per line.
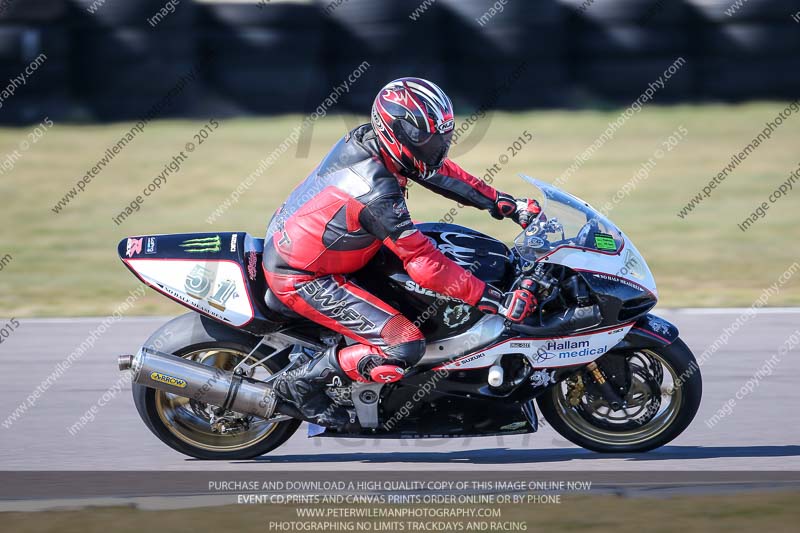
216, 274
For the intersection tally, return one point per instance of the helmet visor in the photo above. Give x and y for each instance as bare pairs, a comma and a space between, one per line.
430, 148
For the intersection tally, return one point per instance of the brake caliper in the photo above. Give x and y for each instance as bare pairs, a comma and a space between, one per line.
575, 390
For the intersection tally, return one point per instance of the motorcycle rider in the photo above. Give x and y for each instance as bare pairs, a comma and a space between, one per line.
338, 218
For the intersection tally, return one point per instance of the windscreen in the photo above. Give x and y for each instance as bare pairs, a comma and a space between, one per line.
565, 220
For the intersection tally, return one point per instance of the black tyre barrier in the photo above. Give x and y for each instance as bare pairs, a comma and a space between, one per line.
34, 61
724, 11
629, 41
29, 110
750, 40
22, 44
624, 80
738, 79
524, 84
629, 11
263, 46
115, 13
274, 15
132, 45
360, 30
269, 89
33, 11
365, 85
265, 58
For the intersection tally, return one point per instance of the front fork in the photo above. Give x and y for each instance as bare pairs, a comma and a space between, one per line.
612, 397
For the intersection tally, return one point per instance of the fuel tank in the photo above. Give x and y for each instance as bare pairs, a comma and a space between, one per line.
439, 316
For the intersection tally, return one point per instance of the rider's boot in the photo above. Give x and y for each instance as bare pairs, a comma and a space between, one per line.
365, 364
302, 390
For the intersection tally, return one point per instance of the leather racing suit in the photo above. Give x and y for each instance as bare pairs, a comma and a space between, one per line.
335, 221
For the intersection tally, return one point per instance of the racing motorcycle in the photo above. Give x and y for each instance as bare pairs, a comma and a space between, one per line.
604, 372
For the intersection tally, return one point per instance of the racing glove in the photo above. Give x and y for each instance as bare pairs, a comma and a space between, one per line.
516, 305
520, 210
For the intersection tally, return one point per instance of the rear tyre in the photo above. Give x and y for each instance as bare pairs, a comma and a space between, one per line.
185, 425
663, 404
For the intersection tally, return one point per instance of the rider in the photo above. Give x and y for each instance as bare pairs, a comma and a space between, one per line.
336, 220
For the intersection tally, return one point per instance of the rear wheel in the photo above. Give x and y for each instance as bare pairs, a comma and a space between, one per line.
198, 429
661, 386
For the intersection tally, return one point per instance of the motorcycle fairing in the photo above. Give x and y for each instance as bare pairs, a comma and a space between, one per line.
439, 317
214, 287
580, 227
216, 274
546, 352
445, 414
650, 331
626, 266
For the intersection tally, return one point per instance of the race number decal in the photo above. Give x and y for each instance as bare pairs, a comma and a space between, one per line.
214, 287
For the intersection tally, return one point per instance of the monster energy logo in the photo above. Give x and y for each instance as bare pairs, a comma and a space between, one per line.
200, 245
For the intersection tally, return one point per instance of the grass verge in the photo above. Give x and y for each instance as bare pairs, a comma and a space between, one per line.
66, 264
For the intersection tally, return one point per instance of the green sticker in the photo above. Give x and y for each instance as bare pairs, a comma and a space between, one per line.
603, 241
199, 245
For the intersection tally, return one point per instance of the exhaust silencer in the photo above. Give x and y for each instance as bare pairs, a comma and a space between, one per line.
204, 383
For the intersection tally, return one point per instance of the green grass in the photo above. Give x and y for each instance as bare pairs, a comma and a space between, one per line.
66, 264
768, 511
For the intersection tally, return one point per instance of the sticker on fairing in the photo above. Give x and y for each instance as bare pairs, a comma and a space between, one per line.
604, 241
169, 380
214, 287
544, 353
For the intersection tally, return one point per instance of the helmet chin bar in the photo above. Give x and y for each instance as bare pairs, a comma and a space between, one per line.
406, 168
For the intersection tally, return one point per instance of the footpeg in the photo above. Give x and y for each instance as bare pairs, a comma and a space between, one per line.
300, 356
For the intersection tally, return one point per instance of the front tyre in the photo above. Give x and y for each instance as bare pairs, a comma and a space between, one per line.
197, 429
662, 388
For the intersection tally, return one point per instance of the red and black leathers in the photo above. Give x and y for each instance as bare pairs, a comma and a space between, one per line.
334, 222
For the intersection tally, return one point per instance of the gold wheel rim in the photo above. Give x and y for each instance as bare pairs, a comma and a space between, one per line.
660, 422
182, 420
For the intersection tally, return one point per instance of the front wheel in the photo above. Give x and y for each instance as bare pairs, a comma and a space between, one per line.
661, 386
198, 429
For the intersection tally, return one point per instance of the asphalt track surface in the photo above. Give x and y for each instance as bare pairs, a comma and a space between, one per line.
761, 433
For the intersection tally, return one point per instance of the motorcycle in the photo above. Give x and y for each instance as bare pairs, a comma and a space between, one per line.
604, 372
